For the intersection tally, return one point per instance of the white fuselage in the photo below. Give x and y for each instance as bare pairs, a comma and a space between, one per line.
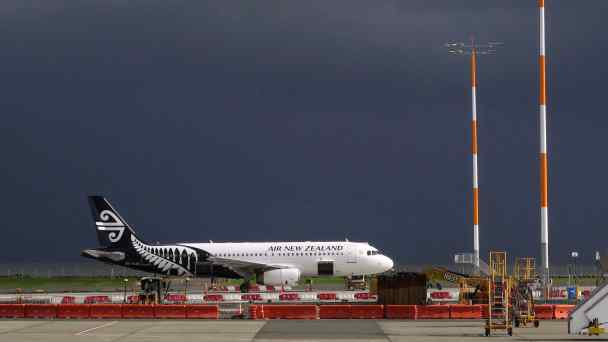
348, 258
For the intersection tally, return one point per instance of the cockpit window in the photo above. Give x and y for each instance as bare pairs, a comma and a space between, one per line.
373, 252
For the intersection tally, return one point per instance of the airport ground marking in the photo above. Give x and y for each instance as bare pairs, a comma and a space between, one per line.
84, 332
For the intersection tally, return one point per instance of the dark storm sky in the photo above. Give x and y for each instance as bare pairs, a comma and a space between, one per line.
298, 120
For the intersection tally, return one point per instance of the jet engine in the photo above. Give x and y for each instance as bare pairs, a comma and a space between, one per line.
284, 276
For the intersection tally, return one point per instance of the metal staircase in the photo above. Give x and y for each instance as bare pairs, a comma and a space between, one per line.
499, 317
523, 300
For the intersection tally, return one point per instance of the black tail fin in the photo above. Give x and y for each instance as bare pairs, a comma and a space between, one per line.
112, 230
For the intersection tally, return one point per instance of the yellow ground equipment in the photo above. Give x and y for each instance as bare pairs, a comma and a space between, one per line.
523, 301
472, 290
595, 328
499, 287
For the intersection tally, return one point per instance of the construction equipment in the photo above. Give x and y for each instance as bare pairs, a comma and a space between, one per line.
472, 289
355, 282
153, 290
522, 298
499, 286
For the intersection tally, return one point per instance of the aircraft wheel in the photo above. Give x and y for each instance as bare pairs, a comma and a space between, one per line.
487, 331
510, 331
536, 323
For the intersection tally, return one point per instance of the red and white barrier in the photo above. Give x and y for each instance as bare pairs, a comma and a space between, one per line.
328, 296
176, 298
97, 300
252, 297
289, 296
213, 297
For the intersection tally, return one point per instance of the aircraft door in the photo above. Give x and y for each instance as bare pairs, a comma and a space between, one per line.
325, 268
351, 255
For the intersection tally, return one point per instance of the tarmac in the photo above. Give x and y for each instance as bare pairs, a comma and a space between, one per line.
271, 331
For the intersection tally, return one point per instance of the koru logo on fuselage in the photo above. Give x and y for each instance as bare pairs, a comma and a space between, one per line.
110, 222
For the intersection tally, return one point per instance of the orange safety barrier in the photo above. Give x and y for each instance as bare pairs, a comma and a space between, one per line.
253, 312
327, 296
436, 311
339, 311
543, 311
137, 311
485, 310
289, 311
401, 311
251, 297
40, 311
373, 311
202, 311
170, 311
289, 296
73, 311
12, 310
68, 300
213, 298
106, 311
562, 311
463, 311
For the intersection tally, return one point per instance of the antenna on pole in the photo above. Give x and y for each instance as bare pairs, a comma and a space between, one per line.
474, 49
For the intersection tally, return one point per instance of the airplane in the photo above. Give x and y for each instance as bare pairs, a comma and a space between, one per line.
269, 263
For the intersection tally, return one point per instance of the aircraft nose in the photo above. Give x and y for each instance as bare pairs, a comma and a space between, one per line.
387, 263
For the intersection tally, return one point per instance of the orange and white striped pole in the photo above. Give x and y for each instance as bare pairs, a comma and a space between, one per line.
544, 205
474, 151
474, 50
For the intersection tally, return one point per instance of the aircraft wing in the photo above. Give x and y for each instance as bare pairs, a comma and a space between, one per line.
246, 269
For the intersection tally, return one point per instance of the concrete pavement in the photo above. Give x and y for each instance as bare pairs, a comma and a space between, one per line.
269, 331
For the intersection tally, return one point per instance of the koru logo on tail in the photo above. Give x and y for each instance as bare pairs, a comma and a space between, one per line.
110, 222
